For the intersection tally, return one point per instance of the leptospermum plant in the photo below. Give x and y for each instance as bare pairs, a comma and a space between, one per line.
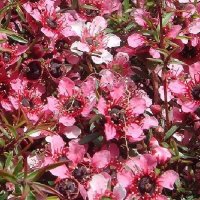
99, 99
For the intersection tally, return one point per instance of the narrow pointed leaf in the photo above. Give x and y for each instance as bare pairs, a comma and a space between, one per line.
34, 176
170, 132
46, 189
7, 176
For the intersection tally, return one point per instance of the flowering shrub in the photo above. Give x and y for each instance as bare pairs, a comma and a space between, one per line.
99, 99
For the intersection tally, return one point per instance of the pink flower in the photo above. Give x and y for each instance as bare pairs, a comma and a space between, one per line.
101, 159
154, 53
188, 92
162, 154
57, 150
121, 64
134, 132
144, 183
174, 31
136, 40
102, 7
53, 23
76, 152
98, 186
94, 40
139, 16
194, 27
138, 105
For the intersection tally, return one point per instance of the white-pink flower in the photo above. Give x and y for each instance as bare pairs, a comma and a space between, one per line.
94, 40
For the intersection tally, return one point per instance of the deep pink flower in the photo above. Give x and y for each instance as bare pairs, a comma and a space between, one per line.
76, 152
144, 183
188, 92
100, 7
56, 151
120, 64
53, 23
70, 103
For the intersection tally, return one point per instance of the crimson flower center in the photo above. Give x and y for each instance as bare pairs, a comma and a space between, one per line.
26, 102
55, 68
196, 92
146, 185
6, 56
52, 23
4, 89
68, 188
117, 114
72, 105
34, 70
80, 172
189, 52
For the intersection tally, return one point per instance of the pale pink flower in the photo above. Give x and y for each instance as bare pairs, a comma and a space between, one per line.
76, 152
136, 40
94, 40
101, 159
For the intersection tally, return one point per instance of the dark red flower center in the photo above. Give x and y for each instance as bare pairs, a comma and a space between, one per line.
80, 172
55, 68
189, 52
6, 56
52, 23
72, 105
4, 89
33, 70
33, 1
92, 41
26, 102
196, 92
61, 45
117, 114
68, 188
146, 185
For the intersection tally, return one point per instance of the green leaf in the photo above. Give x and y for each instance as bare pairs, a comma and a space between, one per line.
3, 195
53, 198
130, 26
166, 18
6, 8
46, 189
20, 13
12, 130
13, 35
31, 196
75, 4
106, 198
89, 138
175, 148
9, 157
2, 142
155, 60
34, 176
126, 5
7, 176
18, 38
170, 132
4, 131
89, 7
18, 167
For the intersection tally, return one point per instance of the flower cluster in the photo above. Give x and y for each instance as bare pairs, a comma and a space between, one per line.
99, 99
